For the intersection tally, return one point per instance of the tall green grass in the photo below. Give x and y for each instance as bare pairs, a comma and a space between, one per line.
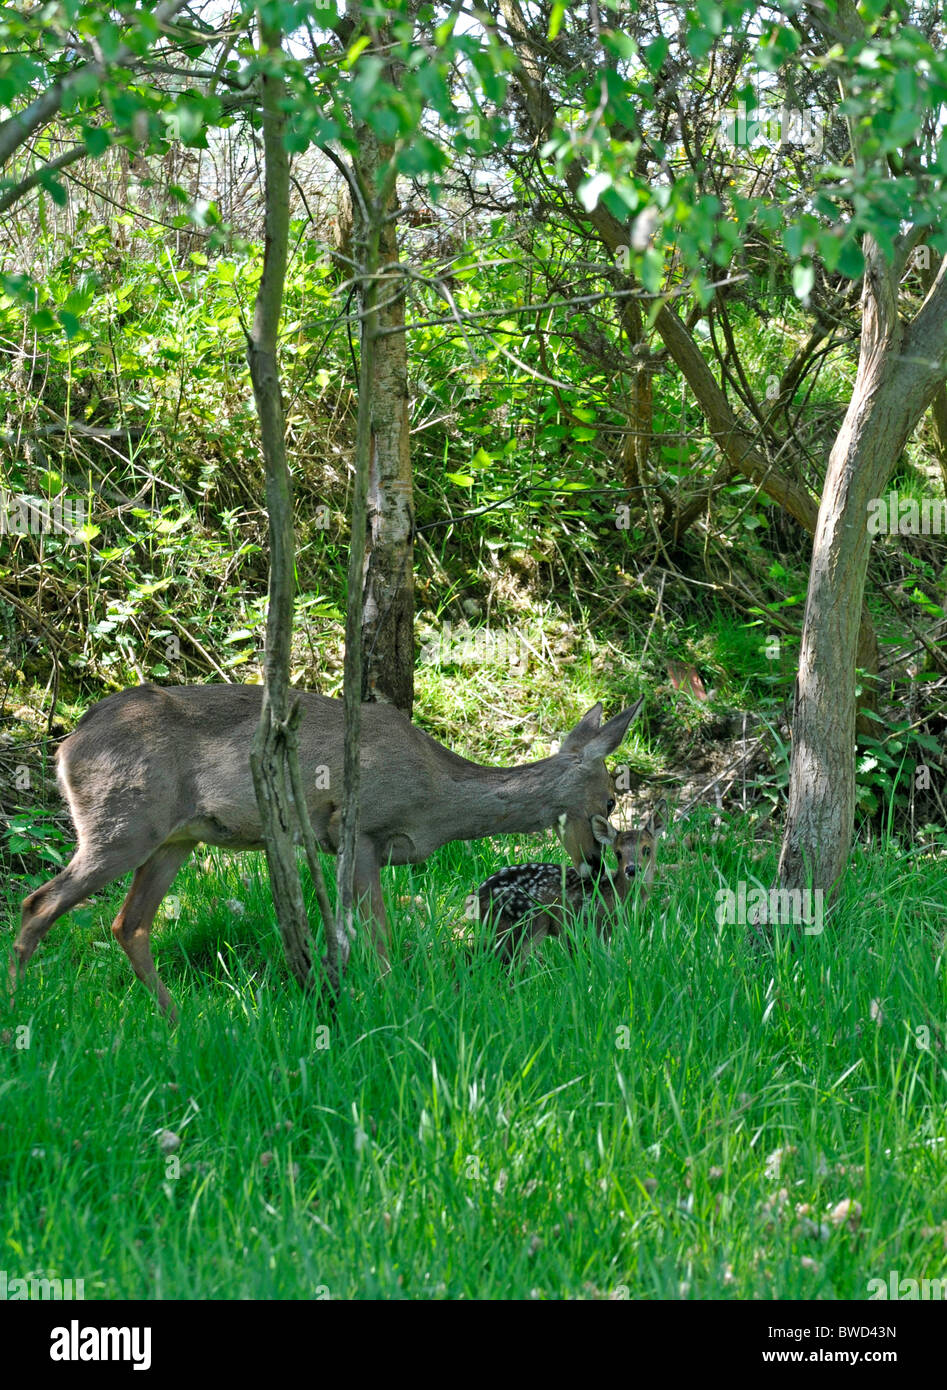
678, 1115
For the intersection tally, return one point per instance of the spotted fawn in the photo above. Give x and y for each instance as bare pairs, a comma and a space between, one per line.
527, 902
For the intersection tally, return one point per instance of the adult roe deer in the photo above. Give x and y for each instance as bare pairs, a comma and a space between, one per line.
153, 771
528, 902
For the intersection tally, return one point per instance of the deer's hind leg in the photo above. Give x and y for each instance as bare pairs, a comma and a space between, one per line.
132, 926
89, 870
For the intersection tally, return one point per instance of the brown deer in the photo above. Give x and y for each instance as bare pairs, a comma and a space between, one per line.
527, 902
152, 772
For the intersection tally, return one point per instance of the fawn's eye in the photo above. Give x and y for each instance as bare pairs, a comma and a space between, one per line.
610, 807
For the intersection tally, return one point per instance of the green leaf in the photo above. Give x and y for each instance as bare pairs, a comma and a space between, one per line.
851, 261
793, 238
593, 188
622, 45
96, 140
803, 279
699, 42
358, 47
109, 39
54, 188
710, 14
655, 53
652, 270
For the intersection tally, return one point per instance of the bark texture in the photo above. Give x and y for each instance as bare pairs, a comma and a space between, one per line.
387, 633
900, 370
274, 762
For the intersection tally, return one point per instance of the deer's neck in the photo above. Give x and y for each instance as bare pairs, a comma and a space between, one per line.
500, 801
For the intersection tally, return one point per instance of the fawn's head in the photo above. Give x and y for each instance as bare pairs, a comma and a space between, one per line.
634, 849
585, 789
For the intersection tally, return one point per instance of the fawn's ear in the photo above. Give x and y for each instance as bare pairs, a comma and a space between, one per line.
603, 830
658, 817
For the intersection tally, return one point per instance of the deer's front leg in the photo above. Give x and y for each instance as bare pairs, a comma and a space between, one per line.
368, 898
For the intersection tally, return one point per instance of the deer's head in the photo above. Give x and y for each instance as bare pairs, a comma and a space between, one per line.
586, 785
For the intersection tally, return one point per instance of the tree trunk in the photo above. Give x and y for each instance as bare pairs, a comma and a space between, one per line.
899, 372
367, 252
388, 582
273, 760
388, 592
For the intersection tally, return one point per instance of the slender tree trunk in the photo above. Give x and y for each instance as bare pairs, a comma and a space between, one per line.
899, 372
387, 632
367, 253
639, 408
273, 759
388, 593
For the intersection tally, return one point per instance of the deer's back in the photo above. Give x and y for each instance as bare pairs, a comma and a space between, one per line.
181, 756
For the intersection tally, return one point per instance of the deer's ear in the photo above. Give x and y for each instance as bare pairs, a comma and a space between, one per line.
658, 817
610, 735
578, 737
603, 830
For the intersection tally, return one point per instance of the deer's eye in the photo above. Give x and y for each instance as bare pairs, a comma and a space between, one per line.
610, 807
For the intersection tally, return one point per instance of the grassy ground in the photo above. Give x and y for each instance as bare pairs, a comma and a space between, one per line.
676, 1116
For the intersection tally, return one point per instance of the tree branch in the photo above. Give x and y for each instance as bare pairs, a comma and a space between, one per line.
18, 128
